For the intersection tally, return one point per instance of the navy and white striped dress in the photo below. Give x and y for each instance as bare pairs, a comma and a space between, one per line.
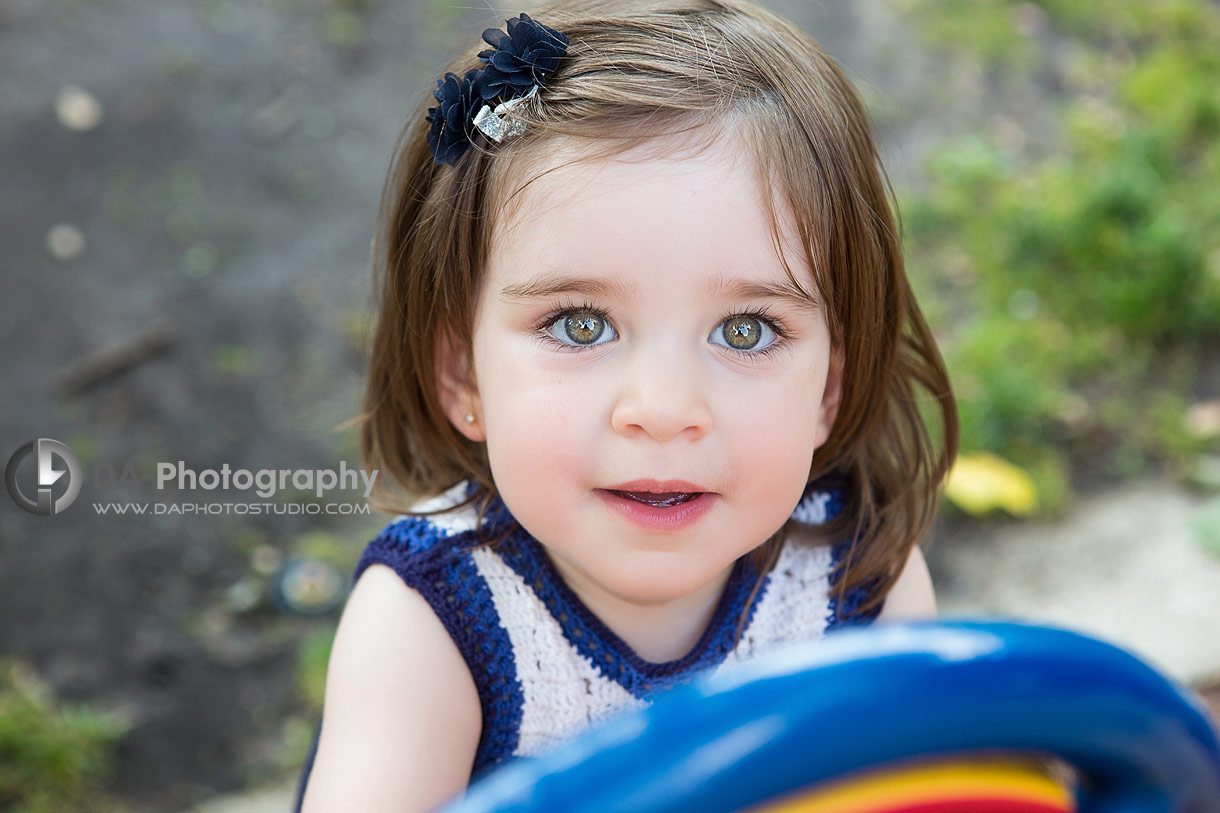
545, 666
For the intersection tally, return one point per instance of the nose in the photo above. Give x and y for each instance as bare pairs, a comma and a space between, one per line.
662, 396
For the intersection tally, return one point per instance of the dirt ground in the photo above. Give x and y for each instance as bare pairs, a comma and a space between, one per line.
215, 200
227, 191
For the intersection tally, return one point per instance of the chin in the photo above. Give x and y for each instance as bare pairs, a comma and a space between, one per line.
653, 584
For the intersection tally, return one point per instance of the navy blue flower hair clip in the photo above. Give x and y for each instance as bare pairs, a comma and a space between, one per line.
515, 66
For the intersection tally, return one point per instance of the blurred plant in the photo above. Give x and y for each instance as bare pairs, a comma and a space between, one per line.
53, 757
342, 28
326, 547
313, 656
1205, 526
296, 737
85, 446
1076, 291
236, 360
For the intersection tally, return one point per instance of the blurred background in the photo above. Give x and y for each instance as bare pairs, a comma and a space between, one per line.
187, 194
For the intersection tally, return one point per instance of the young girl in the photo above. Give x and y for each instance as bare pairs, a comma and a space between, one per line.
647, 346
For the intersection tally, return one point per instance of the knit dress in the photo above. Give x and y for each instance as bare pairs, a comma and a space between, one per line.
545, 666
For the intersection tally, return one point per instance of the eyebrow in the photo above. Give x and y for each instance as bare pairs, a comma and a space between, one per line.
543, 286
788, 291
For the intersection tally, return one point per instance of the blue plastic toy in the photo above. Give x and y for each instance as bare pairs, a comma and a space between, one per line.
842, 724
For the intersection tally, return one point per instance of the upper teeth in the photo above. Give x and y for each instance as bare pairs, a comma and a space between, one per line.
665, 499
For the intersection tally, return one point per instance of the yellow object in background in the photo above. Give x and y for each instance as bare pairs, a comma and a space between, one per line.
981, 483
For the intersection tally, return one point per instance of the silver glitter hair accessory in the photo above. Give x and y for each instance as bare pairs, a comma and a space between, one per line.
496, 124
515, 66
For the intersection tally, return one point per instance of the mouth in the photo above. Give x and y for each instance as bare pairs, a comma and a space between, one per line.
663, 500
658, 493
659, 506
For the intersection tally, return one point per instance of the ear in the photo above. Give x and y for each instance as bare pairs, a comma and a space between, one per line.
831, 395
459, 392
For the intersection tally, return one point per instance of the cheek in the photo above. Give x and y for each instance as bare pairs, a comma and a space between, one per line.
774, 431
787, 406
540, 426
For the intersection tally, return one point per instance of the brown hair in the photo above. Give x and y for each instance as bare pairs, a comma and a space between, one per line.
635, 71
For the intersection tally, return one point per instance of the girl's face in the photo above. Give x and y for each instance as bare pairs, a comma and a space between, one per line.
636, 332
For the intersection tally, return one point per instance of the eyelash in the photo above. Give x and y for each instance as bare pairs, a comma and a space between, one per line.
761, 314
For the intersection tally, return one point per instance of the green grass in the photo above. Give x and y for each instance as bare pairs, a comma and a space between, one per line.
313, 656
53, 756
1075, 286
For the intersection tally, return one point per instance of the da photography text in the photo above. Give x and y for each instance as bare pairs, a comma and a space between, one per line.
44, 477
265, 482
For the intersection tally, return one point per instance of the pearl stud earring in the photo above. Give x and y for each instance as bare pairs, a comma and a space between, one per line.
469, 417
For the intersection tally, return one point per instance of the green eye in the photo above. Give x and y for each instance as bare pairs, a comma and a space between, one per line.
742, 332
745, 333
581, 328
584, 328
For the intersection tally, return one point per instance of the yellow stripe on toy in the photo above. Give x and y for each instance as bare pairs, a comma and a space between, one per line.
1002, 786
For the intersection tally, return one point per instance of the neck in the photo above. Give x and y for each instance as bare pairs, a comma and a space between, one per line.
656, 631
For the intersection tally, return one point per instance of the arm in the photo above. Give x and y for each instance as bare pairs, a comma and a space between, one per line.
401, 720
912, 596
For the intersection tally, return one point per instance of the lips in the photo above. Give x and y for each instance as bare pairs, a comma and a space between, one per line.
658, 493
658, 506
664, 500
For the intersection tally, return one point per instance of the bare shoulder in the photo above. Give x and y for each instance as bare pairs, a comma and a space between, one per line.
401, 720
912, 596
